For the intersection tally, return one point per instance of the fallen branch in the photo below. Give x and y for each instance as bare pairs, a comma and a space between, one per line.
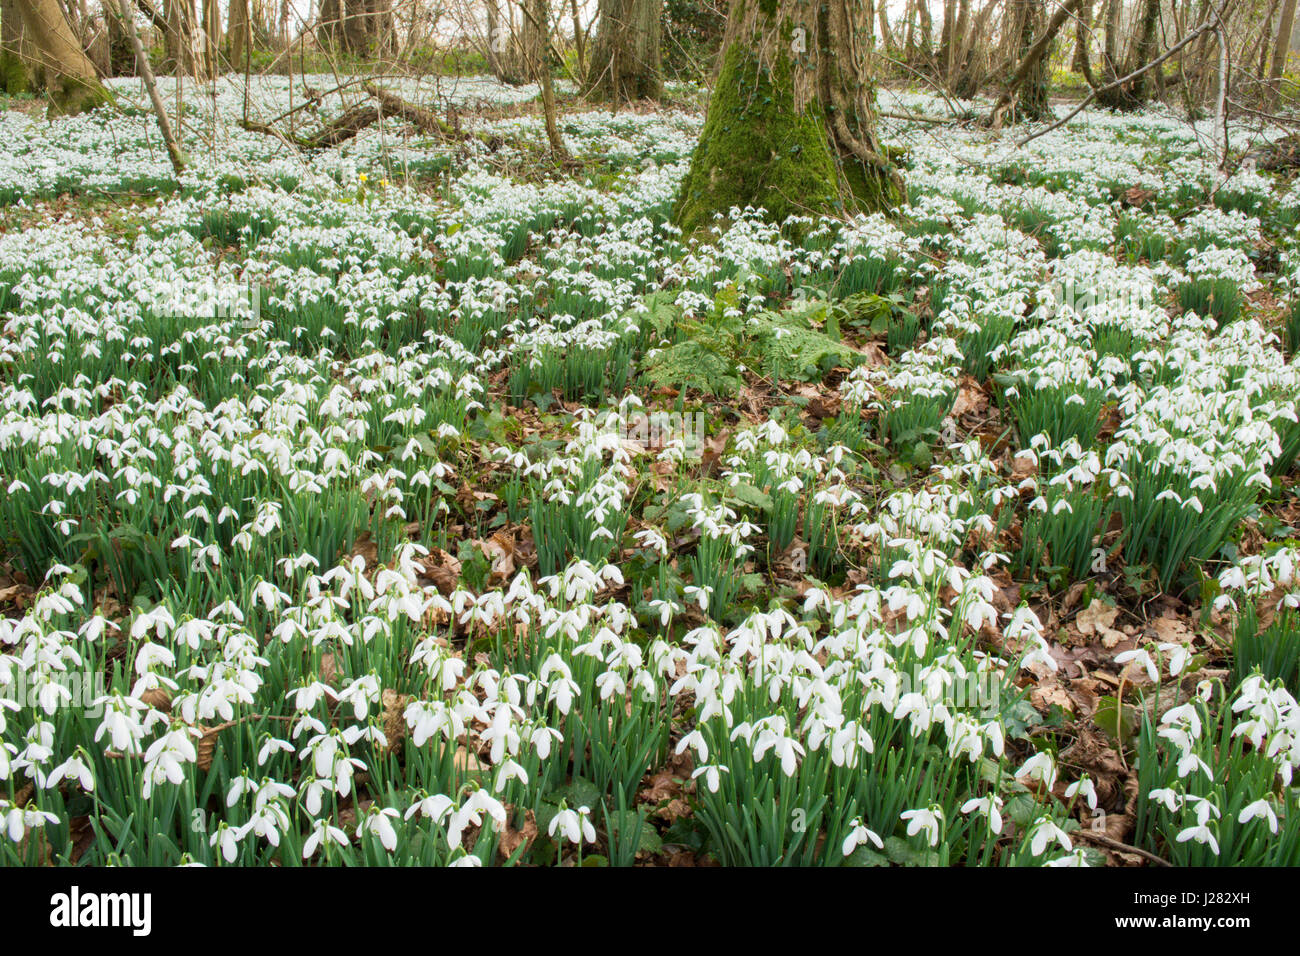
359, 117
1111, 844
332, 134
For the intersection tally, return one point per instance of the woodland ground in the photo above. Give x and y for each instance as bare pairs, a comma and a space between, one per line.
418, 501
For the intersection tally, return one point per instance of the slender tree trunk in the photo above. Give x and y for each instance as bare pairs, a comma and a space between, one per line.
1134, 94
16, 74
211, 48
330, 32
237, 32
580, 37
380, 27
1111, 49
356, 27
537, 44
1025, 97
626, 63
973, 58
178, 42
957, 42
946, 56
1281, 49
1082, 29
791, 126
68, 75
886, 34
146, 76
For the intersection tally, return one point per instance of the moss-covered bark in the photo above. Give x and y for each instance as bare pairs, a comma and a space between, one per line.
1031, 103
15, 71
757, 150
791, 126
72, 95
69, 77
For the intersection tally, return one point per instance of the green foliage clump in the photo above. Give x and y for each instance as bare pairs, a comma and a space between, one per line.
711, 355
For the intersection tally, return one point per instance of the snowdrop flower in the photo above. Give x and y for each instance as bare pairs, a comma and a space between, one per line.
1043, 832
1083, 787
1262, 808
74, 768
1143, 659
322, 831
379, 822
1074, 859
227, 839
1170, 799
858, 835
1179, 655
710, 772
929, 821
1201, 834
574, 825
990, 806
1039, 767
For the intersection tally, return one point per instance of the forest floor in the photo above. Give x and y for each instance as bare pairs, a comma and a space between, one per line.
417, 500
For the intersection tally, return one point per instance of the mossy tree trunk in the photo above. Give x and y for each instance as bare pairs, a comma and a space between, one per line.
626, 60
69, 76
791, 127
1136, 92
1025, 95
16, 74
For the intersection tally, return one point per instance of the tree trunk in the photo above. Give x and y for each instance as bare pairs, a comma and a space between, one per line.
183, 55
580, 35
957, 42
68, 75
973, 57
1281, 48
16, 74
211, 49
146, 76
1111, 49
537, 44
1082, 27
626, 63
356, 27
926, 23
383, 38
886, 34
237, 32
1134, 95
507, 59
791, 127
1025, 97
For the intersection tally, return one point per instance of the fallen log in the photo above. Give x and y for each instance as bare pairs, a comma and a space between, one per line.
354, 120
331, 134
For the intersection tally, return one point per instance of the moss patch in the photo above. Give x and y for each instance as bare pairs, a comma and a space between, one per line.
70, 96
757, 150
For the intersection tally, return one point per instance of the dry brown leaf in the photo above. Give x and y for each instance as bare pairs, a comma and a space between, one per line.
1096, 620
442, 569
394, 718
511, 839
